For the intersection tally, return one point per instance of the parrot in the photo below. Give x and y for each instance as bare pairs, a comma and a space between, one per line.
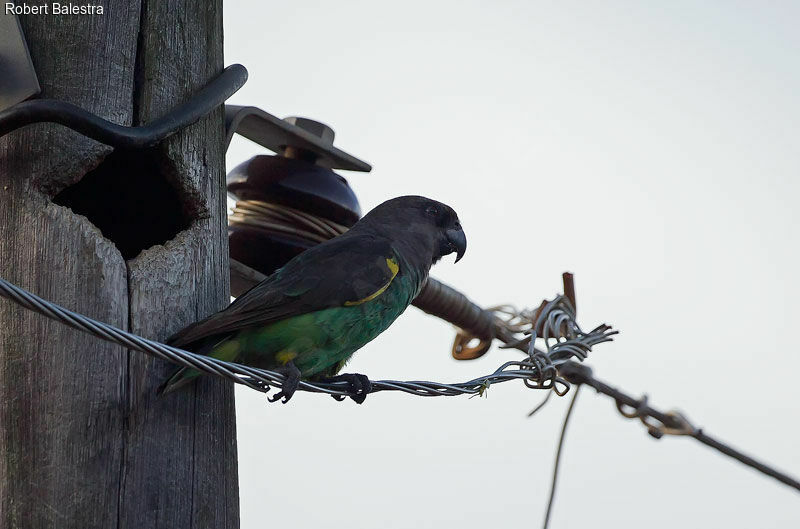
308, 317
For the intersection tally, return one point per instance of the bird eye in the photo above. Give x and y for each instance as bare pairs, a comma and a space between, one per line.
433, 211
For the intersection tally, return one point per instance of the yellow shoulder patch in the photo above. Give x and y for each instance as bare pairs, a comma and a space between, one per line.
391, 263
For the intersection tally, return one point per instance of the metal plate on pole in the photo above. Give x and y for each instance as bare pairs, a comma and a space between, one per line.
18, 80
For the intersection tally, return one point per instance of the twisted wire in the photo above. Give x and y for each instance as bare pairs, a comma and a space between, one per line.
561, 335
534, 371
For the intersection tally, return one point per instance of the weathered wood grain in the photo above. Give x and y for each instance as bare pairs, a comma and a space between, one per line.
84, 442
61, 419
186, 438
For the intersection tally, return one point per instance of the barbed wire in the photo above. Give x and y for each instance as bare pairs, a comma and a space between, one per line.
661, 423
552, 369
658, 424
538, 371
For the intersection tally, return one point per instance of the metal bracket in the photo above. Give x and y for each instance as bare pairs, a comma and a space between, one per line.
48, 110
18, 80
277, 134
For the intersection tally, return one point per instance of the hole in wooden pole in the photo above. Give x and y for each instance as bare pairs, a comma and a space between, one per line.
128, 198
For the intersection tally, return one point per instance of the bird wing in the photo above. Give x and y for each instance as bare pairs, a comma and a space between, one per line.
345, 271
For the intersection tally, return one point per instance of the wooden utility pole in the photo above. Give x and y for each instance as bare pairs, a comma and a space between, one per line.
135, 239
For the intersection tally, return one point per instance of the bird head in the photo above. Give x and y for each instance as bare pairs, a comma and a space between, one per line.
431, 228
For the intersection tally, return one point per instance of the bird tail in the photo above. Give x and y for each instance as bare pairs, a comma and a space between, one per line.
185, 375
179, 379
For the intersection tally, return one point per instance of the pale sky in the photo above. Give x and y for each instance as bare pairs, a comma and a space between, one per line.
648, 147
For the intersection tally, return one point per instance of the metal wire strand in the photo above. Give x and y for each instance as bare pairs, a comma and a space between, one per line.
557, 462
538, 371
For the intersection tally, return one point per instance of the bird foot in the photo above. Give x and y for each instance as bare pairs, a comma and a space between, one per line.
359, 386
290, 383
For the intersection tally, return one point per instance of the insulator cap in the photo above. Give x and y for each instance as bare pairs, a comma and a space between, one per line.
297, 184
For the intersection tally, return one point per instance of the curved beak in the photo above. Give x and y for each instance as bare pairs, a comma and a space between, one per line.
458, 242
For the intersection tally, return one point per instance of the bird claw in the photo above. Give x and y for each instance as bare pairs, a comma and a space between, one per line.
290, 383
283, 393
360, 386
